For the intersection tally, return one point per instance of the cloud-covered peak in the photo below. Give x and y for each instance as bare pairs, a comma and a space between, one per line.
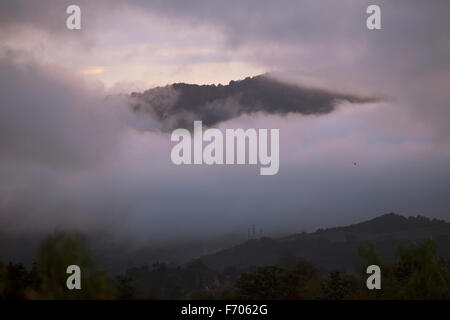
179, 104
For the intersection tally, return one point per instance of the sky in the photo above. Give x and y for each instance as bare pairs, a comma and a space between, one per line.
73, 154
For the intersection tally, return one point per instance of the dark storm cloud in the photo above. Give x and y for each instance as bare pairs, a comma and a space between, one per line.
178, 105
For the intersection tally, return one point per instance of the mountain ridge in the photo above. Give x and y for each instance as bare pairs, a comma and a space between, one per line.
177, 105
335, 247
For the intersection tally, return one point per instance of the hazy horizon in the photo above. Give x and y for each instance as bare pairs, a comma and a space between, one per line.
74, 155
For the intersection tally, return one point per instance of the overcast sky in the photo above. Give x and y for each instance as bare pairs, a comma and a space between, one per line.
71, 158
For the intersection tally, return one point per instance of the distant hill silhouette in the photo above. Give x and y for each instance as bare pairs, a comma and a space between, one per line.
335, 247
326, 248
389, 222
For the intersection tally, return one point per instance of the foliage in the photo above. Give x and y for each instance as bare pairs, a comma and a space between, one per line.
419, 273
47, 278
193, 280
340, 286
59, 251
274, 282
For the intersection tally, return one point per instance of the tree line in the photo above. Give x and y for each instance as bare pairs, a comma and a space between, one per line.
417, 273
